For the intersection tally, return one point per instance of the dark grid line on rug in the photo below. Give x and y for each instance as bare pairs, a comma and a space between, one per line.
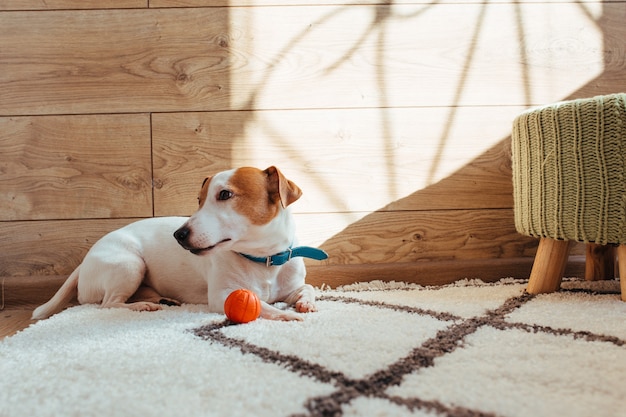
444, 342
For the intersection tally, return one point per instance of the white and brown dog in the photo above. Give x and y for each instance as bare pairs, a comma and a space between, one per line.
242, 236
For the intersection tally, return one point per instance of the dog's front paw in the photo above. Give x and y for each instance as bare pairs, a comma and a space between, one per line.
305, 306
290, 317
144, 306
272, 313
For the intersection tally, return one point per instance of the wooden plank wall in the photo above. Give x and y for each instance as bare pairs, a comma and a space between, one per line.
393, 117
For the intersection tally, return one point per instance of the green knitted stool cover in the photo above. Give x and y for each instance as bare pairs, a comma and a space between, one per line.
569, 170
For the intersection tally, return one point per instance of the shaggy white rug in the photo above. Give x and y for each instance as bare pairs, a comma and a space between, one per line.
469, 349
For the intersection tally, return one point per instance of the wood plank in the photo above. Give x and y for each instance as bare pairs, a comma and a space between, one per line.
425, 4
415, 236
430, 273
57, 247
330, 56
344, 160
264, 3
49, 247
70, 4
20, 296
63, 167
188, 147
15, 319
29, 290
101, 61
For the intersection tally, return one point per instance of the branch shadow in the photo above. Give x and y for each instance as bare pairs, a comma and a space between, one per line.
484, 177
489, 248
382, 15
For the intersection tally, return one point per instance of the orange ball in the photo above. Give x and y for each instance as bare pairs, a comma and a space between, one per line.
242, 306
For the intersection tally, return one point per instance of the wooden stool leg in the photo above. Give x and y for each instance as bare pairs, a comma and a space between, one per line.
599, 262
549, 266
621, 259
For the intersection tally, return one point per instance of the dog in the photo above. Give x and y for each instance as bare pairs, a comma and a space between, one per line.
242, 236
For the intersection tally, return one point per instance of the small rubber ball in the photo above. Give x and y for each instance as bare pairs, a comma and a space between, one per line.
242, 306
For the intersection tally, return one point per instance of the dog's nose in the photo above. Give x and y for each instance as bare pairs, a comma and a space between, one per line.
182, 234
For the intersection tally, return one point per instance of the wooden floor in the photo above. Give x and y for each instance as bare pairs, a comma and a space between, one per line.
14, 319
18, 298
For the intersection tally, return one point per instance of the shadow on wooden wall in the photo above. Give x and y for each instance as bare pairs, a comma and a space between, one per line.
414, 240
200, 100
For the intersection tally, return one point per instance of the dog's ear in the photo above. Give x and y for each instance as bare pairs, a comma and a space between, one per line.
203, 191
287, 191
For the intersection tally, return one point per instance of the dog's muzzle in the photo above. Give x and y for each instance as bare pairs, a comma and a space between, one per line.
182, 236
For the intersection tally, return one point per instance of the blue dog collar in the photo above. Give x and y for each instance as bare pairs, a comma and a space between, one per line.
282, 258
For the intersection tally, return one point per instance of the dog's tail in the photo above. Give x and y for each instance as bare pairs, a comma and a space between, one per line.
64, 295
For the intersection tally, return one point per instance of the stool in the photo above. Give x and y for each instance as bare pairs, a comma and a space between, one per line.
569, 184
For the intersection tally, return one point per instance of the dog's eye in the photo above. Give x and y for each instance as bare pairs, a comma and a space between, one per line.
224, 195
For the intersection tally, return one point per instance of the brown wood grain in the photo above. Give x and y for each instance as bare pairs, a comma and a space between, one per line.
187, 148
326, 56
15, 319
57, 247
49, 247
549, 266
70, 4
19, 296
113, 61
236, 3
430, 273
420, 236
68, 167
426, 5
343, 160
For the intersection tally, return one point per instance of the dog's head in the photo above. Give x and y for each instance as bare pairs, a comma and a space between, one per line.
239, 206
